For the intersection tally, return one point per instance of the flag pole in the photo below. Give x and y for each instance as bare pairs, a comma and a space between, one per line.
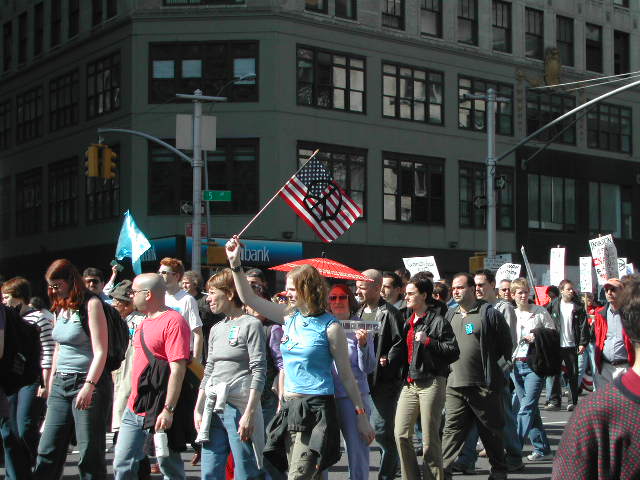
276, 194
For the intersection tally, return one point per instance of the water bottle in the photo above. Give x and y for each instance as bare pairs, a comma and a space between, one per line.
161, 442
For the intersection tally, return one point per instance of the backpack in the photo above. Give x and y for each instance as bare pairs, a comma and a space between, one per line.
20, 363
117, 329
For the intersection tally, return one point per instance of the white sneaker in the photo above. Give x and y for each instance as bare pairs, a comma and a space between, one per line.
535, 456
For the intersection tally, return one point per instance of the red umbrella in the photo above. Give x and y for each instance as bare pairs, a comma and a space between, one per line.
326, 267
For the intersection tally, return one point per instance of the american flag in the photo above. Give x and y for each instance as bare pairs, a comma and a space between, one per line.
320, 201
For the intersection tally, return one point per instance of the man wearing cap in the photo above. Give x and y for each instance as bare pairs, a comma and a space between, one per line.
614, 350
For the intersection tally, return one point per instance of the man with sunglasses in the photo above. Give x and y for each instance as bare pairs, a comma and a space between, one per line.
94, 281
614, 350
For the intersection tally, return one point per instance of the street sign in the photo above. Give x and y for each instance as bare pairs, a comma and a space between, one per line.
216, 195
184, 132
188, 230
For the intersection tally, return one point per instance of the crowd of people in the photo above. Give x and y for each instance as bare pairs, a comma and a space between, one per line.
265, 387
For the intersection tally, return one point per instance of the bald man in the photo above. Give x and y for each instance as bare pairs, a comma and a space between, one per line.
385, 381
167, 335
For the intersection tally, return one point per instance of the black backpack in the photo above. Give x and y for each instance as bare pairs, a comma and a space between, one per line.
117, 329
20, 363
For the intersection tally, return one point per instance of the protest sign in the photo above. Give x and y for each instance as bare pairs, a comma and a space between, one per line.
605, 258
495, 262
508, 271
586, 274
541, 296
529, 272
622, 267
556, 266
422, 264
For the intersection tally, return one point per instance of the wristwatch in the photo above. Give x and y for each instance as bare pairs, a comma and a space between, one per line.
170, 409
360, 411
236, 269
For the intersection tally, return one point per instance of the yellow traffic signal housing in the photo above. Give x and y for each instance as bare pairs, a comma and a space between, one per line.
93, 161
109, 166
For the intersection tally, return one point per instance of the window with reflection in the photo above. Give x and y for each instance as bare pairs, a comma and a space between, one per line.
472, 114
472, 188
544, 107
468, 22
534, 33
412, 93
552, 202
609, 128
431, 18
610, 209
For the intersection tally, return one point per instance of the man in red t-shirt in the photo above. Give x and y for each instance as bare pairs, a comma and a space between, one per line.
167, 336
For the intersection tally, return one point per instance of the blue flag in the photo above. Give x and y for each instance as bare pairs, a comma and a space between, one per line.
132, 243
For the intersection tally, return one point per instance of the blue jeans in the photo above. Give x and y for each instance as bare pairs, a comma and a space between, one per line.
25, 412
383, 416
512, 444
589, 356
528, 388
129, 451
224, 438
16, 457
90, 428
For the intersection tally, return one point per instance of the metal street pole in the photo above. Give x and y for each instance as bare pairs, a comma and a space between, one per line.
491, 172
196, 243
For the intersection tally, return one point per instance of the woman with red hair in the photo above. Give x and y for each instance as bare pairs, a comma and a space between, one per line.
79, 386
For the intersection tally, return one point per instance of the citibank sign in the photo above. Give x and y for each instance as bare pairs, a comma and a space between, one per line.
259, 252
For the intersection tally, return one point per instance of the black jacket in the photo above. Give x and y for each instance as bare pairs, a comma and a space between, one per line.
389, 335
543, 356
495, 343
579, 323
432, 360
152, 392
316, 414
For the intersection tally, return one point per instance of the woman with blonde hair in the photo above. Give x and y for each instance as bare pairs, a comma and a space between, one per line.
306, 427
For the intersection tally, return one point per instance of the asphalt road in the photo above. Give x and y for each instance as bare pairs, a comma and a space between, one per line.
554, 422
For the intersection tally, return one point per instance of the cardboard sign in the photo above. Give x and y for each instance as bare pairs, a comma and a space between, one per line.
541, 296
605, 258
622, 267
556, 266
586, 275
495, 262
422, 264
508, 271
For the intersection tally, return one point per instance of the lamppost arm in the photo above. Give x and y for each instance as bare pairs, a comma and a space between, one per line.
148, 137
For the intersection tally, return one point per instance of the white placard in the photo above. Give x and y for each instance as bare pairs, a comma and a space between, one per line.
508, 271
556, 266
495, 262
422, 264
630, 268
586, 275
622, 267
605, 258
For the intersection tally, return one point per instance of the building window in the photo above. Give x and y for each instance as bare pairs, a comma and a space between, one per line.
472, 113
96, 12
610, 209
552, 202
347, 166
103, 85
319, 6
5, 208
330, 80
29, 202
594, 47
431, 18
393, 14
63, 194
544, 107
413, 189
468, 21
501, 26
112, 8
23, 38
472, 188
204, 2
217, 68
346, 9
74, 17
102, 198
233, 166
621, 3
7, 46
63, 101
620, 52
534, 33
564, 39
412, 93
29, 115
56, 21
38, 29
609, 128
5, 124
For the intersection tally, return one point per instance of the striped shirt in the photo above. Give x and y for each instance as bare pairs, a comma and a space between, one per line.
39, 319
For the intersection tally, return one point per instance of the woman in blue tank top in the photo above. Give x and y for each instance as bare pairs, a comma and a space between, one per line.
313, 340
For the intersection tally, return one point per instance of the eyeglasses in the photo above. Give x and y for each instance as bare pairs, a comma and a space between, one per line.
132, 293
165, 272
333, 298
55, 286
92, 280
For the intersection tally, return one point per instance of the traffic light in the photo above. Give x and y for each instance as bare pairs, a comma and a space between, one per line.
92, 165
109, 165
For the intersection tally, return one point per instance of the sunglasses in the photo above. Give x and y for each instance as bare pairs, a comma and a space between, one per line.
333, 298
164, 272
92, 280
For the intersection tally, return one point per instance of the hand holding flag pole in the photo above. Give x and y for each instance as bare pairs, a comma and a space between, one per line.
276, 194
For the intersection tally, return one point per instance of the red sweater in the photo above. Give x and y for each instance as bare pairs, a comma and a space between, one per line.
601, 440
601, 328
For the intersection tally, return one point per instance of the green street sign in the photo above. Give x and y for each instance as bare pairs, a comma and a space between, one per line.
216, 195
